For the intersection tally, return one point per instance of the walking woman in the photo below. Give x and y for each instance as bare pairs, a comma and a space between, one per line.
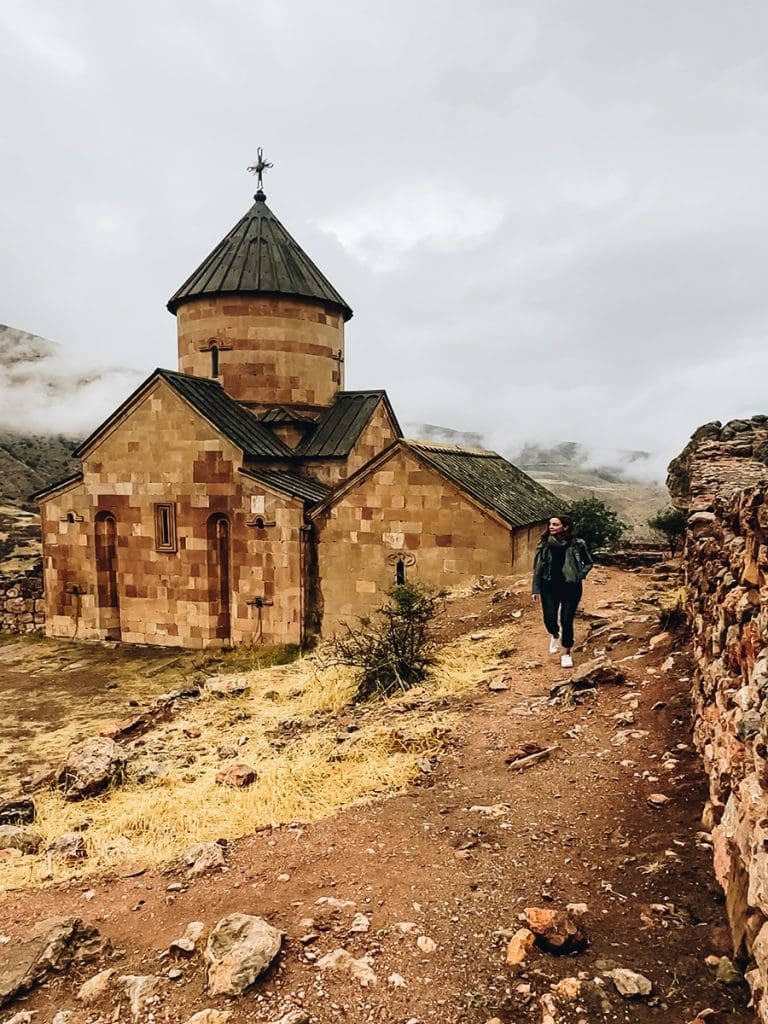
561, 562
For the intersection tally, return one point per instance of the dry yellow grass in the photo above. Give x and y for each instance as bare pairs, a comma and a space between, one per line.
287, 728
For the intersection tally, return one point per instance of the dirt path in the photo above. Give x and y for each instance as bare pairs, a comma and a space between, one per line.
459, 856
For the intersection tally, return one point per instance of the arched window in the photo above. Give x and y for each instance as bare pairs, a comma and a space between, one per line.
400, 572
214, 360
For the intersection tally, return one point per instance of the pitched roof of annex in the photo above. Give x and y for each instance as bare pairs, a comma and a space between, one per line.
259, 257
342, 423
484, 476
210, 400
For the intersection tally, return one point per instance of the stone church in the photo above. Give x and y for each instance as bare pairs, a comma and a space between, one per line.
248, 497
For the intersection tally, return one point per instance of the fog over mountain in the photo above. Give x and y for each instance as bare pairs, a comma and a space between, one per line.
46, 390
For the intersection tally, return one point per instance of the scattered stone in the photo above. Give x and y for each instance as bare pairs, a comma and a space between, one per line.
69, 846
187, 943
425, 944
556, 931
201, 857
360, 923
22, 1017
237, 776
209, 1017
341, 961
660, 638
239, 949
226, 753
92, 766
499, 685
192, 732
64, 1017
658, 800
396, 981
141, 990
334, 902
630, 984
17, 812
52, 946
226, 686
568, 989
728, 973
518, 946
13, 837
599, 672
97, 986
293, 1017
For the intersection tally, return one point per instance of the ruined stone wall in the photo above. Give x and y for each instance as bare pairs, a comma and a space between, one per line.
721, 478
22, 609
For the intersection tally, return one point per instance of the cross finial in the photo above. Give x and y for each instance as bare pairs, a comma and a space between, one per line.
258, 169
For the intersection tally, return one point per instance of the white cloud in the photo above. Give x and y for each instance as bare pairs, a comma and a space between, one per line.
38, 34
425, 217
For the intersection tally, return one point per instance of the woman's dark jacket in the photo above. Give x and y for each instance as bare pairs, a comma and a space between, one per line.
576, 564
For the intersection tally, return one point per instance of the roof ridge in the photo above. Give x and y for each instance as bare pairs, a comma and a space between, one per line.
457, 449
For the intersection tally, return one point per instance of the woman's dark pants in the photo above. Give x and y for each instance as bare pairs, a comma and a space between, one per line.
563, 598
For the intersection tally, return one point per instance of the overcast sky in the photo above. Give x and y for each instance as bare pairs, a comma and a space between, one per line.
548, 217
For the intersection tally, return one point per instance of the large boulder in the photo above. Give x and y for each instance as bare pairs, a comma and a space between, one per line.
239, 949
51, 946
91, 767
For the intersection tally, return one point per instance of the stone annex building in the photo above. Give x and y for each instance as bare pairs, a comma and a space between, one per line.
247, 497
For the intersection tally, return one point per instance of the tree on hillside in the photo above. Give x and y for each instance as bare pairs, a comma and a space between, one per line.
597, 523
670, 522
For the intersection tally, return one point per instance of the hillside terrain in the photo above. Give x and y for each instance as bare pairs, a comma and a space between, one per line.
401, 849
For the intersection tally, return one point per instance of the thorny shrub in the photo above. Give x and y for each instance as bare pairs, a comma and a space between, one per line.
394, 648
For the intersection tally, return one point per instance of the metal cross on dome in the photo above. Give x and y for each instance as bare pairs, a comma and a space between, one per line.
259, 167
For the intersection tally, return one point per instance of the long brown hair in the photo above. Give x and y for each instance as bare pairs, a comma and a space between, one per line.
567, 522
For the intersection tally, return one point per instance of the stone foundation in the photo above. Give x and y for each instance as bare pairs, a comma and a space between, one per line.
22, 609
723, 482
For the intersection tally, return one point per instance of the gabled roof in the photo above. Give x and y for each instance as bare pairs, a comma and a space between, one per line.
342, 423
494, 481
280, 415
292, 484
210, 400
484, 476
258, 256
60, 485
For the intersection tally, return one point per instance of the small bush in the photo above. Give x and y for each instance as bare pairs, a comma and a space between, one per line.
670, 522
597, 523
394, 648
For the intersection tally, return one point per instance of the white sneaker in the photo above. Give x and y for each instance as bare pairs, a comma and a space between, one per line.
554, 645
566, 661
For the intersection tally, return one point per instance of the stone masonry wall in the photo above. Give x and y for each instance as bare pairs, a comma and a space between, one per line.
722, 480
22, 609
403, 509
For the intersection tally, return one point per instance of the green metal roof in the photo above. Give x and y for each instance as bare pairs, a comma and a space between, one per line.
341, 424
207, 397
258, 256
493, 481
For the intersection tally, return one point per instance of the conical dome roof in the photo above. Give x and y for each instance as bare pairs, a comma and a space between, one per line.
258, 256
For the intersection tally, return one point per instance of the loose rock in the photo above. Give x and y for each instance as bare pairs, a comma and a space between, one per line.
187, 943
97, 986
70, 846
52, 946
202, 857
209, 1017
91, 766
518, 946
140, 989
342, 961
556, 931
12, 837
630, 984
239, 949
236, 775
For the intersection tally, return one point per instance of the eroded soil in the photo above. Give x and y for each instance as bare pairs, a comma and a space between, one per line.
460, 855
